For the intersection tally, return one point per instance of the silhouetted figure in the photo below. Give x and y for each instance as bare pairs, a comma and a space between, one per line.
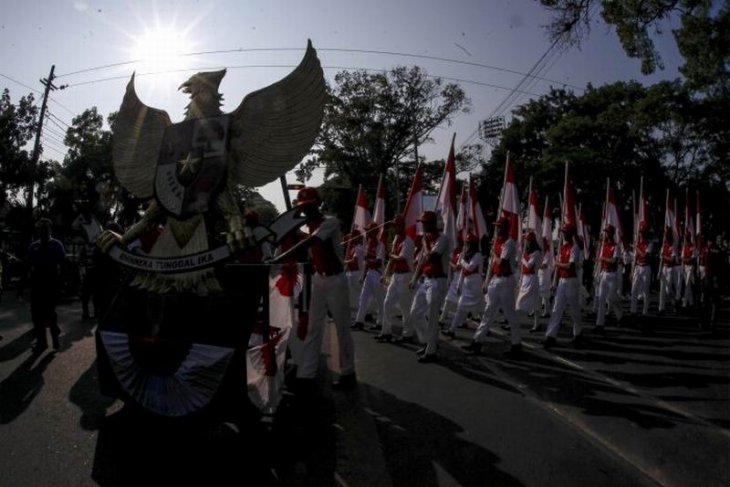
45, 261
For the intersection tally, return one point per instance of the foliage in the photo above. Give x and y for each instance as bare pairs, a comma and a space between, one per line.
371, 122
703, 36
621, 131
17, 128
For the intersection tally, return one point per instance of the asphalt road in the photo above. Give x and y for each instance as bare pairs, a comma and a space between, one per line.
627, 409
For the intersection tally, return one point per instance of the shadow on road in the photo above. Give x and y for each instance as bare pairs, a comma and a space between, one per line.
415, 439
15, 348
22, 386
86, 395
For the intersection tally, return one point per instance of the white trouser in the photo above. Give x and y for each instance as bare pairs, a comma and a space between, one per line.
688, 298
451, 299
398, 297
354, 284
500, 294
462, 312
640, 282
607, 296
329, 293
425, 311
566, 294
668, 285
373, 290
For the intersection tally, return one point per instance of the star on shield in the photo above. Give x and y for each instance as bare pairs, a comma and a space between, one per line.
188, 167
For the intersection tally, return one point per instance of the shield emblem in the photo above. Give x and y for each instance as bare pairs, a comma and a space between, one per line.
191, 165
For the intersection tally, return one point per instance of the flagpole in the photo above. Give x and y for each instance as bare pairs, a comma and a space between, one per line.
599, 256
664, 236
438, 196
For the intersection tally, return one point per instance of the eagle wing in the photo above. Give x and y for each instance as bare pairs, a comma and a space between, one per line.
136, 138
274, 128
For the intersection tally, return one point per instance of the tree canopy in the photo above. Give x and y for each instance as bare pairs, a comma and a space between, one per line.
703, 35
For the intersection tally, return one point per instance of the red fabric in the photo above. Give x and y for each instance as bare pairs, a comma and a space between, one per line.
642, 245
667, 251
399, 266
324, 257
500, 268
526, 271
432, 268
688, 252
607, 253
371, 256
564, 258
288, 279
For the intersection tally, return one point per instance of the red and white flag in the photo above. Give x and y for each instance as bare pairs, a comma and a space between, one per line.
568, 214
379, 211
476, 216
698, 219
362, 218
446, 202
534, 222
670, 216
643, 210
510, 201
583, 232
462, 219
414, 205
611, 216
547, 233
689, 228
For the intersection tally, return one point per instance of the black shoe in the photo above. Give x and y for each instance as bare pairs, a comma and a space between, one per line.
421, 351
369, 317
358, 325
549, 342
530, 314
578, 341
515, 351
544, 315
505, 327
387, 338
428, 358
448, 333
345, 382
442, 325
464, 325
535, 329
600, 330
473, 347
39, 347
55, 341
375, 327
403, 339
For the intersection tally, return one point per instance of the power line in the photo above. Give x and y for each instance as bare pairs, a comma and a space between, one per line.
326, 49
53, 115
21, 84
70, 112
51, 143
49, 135
52, 131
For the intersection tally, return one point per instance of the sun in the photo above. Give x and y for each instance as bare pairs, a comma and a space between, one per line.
160, 49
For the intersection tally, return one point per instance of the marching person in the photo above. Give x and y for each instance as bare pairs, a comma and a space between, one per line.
430, 294
544, 276
354, 262
372, 290
688, 270
451, 296
398, 296
468, 286
641, 278
528, 297
567, 291
609, 283
668, 276
500, 288
45, 265
329, 294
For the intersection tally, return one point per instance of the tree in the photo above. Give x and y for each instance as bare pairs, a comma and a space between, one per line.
17, 128
621, 131
371, 122
703, 38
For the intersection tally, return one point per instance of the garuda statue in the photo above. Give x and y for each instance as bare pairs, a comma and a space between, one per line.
169, 340
187, 171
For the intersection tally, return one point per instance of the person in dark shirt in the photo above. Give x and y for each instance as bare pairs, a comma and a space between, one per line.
45, 261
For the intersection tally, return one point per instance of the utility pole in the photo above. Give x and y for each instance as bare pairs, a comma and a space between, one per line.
48, 83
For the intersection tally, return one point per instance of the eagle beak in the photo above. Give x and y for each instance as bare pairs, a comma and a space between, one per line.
185, 87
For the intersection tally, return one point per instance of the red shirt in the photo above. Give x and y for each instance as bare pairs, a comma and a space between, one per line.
324, 257
609, 252
643, 246
688, 253
352, 264
526, 271
432, 267
400, 265
566, 250
667, 252
500, 267
371, 255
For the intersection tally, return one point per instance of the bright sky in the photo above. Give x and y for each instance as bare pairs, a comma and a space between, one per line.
82, 36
